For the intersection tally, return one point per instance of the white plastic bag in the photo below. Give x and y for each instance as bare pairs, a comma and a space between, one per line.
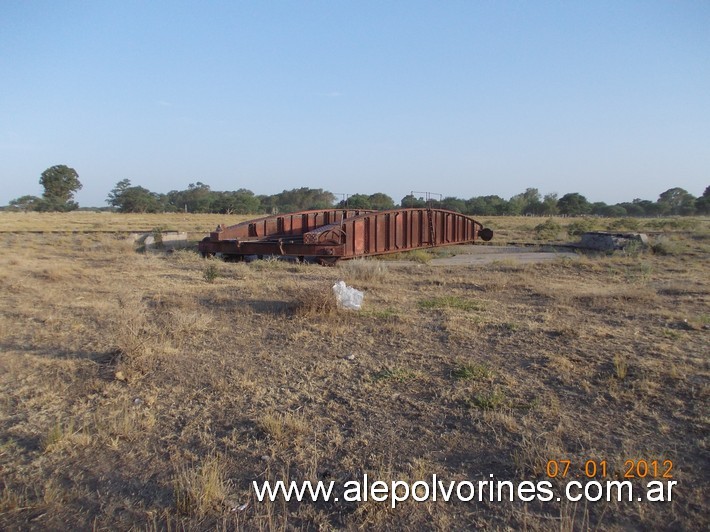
347, 296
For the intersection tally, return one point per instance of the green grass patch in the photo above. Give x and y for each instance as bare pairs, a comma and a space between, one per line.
488, 400
454, 302
416, 255
471, 371
384, 314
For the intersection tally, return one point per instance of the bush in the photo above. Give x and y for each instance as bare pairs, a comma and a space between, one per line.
628, 224
548, 230
211, 273
579, 227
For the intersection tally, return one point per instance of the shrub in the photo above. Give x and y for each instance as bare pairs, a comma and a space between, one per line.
211, 273
579, 227
628, 224
548, 230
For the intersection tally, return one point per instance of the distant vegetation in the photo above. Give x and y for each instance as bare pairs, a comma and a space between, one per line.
60, 183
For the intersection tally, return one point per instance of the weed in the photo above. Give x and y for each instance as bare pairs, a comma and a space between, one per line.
488, 400
621, 366
211, 273
421, 256
56, 435
471, 371
640, 271
634, 248
157, 233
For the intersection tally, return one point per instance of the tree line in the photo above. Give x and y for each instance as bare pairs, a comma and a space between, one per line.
61, 182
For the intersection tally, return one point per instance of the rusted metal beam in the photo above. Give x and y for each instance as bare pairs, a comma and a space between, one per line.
344, 233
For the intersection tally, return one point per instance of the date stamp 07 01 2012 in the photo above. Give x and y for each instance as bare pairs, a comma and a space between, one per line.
632, 469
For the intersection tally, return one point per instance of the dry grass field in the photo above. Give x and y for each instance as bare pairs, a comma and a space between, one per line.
146, 391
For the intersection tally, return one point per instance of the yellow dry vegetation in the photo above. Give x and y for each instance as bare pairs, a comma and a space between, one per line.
137, 392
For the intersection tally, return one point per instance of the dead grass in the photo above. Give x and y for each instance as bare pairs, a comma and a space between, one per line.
136, 394
367, 270
199, 489
312, 300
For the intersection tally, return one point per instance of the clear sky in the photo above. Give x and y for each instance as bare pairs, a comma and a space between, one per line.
463, 98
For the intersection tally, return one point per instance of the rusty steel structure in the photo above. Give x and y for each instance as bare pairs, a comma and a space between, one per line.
333, 234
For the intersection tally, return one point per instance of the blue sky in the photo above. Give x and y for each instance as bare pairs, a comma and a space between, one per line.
463, 98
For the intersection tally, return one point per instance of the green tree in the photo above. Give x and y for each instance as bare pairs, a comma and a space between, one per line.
25, 203
487, 206
304, 198
676, 201
60, 183
598, 208
381, 202
633, 208
613, 211
639, 207
127, 198
356, 201
573, 204
549, 204
702, 204
410, 201
452, 203
197, 198
114, 197
240, 201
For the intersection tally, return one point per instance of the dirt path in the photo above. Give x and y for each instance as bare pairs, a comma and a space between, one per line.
488, 254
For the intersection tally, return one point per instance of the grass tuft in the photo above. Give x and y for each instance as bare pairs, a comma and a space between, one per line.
283, 427
621, 366
488, 400
198, 490
364, 269
471, 371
